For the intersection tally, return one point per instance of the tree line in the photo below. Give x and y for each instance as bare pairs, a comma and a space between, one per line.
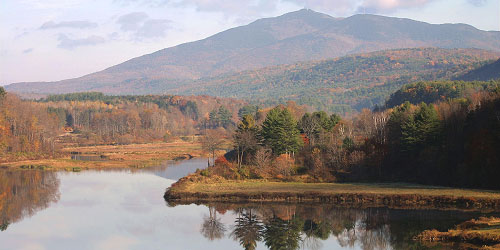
126, 119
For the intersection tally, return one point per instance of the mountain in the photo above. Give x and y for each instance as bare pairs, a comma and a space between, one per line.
297, 36
490, 71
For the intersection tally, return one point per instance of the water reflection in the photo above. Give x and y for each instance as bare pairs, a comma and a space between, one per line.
125, 209
212, 228
309, 226
248, 229
24, 193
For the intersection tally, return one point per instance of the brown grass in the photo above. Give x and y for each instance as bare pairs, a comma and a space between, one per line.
257, 186
484, 231
118, 156
197, 188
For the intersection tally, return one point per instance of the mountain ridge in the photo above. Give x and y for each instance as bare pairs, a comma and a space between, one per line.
303, 35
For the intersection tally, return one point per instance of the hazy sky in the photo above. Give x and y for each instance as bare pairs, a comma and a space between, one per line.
47, 40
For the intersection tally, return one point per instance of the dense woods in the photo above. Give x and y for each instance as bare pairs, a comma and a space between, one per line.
454, 140
27, 130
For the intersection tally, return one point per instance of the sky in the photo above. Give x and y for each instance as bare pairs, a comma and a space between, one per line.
49, 40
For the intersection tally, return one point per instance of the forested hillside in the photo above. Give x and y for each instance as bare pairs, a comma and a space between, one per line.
489, 71
344, 84
294, 37
435, 91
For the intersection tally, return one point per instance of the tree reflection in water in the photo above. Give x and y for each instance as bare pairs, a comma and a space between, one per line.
212, 228
248, 229
307, 226
24, 193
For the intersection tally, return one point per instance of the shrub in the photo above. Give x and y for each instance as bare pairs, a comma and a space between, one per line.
205, 173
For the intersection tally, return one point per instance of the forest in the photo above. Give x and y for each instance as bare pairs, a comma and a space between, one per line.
451, 141
36, 129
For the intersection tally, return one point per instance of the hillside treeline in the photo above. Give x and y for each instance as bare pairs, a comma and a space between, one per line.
436, 91
454, 142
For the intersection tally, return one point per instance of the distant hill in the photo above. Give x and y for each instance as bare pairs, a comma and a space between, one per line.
303, 35
435, 91
490, 71
343, 84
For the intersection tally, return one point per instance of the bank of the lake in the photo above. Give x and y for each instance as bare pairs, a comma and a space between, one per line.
113, 156
484, 232
395, 195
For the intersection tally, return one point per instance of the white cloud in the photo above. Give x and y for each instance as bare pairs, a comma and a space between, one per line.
68, 43
153, 28
477, 3
132, 21
69, 24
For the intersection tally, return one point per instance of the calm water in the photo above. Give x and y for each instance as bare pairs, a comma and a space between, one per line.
125, 210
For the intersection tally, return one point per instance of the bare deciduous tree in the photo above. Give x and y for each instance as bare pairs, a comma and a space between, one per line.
212, 141
262, 158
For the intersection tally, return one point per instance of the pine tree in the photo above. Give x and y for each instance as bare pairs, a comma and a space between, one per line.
280, 132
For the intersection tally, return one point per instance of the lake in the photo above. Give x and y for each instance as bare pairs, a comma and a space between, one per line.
125, 209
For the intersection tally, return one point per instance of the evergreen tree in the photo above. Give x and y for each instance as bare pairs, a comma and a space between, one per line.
280, 132
2, 92
224, 116
421, 129
248, 110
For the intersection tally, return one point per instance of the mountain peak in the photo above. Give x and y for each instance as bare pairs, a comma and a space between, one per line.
304, 14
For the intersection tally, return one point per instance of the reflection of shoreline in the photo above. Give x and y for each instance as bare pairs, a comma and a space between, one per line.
24, 193
285, 226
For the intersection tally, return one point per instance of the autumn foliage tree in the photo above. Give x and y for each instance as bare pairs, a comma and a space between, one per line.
27, 130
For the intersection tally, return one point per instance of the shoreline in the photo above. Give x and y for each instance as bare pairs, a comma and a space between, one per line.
483, 233
113, 156
395, 195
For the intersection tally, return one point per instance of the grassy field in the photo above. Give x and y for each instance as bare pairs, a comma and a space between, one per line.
249, 187
116, 156
194, 188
